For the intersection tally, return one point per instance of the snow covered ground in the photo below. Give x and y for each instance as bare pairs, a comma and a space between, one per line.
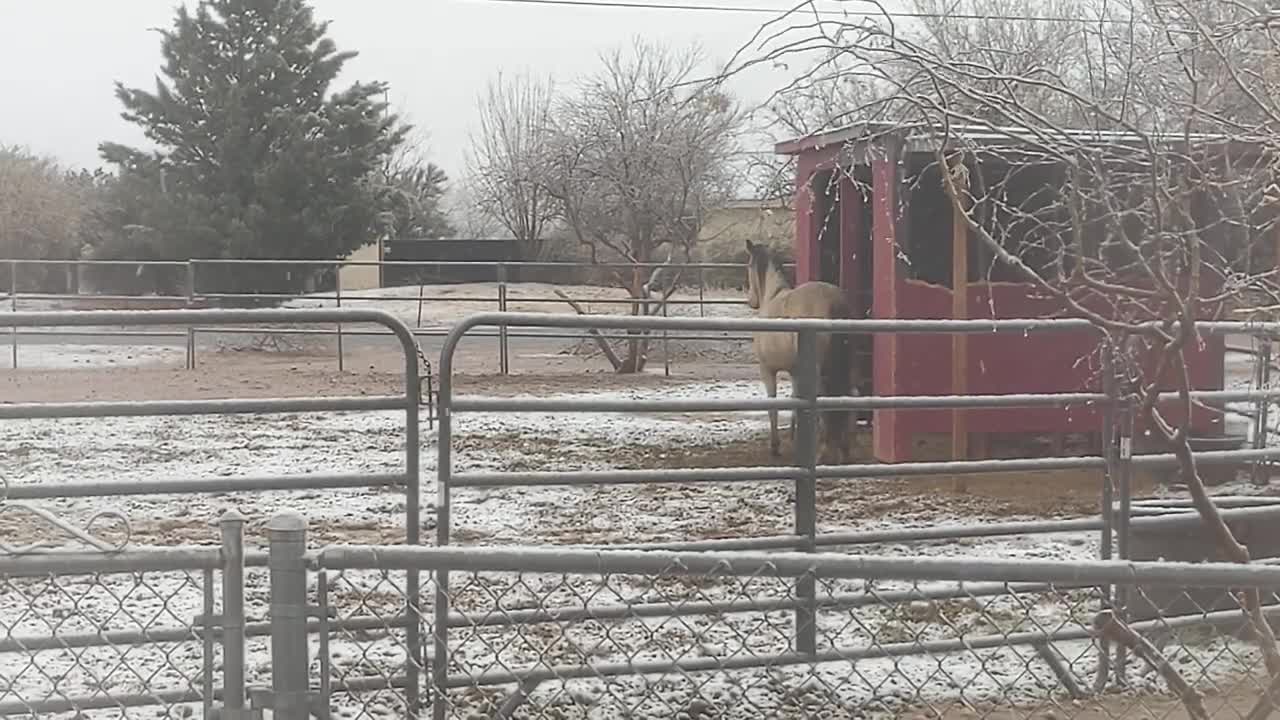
61, 357
125, 449
443, 306
135, 449
446, 304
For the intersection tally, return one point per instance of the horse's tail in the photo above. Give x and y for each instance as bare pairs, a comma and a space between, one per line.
837, 379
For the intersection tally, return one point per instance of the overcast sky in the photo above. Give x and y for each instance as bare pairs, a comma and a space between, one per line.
60, 58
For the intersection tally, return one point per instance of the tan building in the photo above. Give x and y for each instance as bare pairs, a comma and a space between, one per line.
362, 277
726, 229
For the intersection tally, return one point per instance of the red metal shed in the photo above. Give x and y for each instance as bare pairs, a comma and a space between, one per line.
863, 222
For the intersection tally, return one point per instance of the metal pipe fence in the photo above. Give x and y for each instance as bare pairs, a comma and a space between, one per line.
657, 631
1115, 464
493, 629
406, 480
195, 276
123, 628
612, 629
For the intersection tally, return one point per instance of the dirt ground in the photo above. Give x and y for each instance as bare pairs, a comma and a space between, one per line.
254, 374
1233, 704
247, 374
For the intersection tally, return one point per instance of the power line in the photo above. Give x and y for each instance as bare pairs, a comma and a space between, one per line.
801, 10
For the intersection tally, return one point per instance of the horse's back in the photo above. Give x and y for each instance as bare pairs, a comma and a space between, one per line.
816, 299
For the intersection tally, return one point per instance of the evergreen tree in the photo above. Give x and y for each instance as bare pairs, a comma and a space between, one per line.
256, 158
411, 199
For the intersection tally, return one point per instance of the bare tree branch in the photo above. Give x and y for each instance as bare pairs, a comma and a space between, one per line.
638, 158
508, 159
1120, 163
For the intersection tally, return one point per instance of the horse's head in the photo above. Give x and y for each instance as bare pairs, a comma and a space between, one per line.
757, 267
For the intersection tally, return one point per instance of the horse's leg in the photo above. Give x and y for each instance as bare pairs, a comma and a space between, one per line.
770, 378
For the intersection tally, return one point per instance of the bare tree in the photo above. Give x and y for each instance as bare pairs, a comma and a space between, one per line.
467, 218
42, 211
508, 160
1140, 190
641, 151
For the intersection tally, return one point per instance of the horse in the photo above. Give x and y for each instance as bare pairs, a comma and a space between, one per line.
771, 295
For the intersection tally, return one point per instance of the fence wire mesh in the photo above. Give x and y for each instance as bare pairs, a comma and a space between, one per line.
712, 645
364, 657
106, 645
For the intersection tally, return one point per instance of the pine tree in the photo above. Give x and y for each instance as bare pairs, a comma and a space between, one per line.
257, 158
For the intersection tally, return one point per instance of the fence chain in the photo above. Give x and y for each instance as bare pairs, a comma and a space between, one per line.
426, 385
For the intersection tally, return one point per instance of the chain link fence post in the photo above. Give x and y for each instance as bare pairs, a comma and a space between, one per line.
13, 307
1259, 473
233, 633
504, 357
1124, 426
666, 344
337, 294
805, 421
1107, 441
439, 665
702, 292
191, 302
290, 664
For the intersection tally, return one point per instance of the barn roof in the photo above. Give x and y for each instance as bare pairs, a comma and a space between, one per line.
924, 138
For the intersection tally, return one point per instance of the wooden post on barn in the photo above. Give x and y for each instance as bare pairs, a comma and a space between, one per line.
959, 311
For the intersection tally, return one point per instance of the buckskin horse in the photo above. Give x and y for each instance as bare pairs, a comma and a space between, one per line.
771, 295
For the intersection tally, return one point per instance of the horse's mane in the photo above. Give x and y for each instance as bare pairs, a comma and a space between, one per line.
764, 258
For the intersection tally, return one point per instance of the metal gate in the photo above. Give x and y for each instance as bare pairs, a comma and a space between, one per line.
190, 570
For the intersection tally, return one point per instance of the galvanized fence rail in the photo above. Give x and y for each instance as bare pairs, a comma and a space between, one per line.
407, 479
114, 628
552, 632
688, 275
691, 276
1117, 462
388, 605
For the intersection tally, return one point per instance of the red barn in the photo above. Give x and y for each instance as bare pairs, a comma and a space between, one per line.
870, 219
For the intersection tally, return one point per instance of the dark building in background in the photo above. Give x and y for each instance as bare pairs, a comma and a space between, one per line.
485, 253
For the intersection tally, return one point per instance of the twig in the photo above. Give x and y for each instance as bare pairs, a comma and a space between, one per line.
1112, 628
600, 339
1268, 702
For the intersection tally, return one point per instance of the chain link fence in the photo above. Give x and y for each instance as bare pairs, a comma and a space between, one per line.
587, 634
446, 632
561, 633
94, 629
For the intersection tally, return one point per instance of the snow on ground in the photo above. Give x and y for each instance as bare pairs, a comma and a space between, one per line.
135, 449
61, 357
447, 304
